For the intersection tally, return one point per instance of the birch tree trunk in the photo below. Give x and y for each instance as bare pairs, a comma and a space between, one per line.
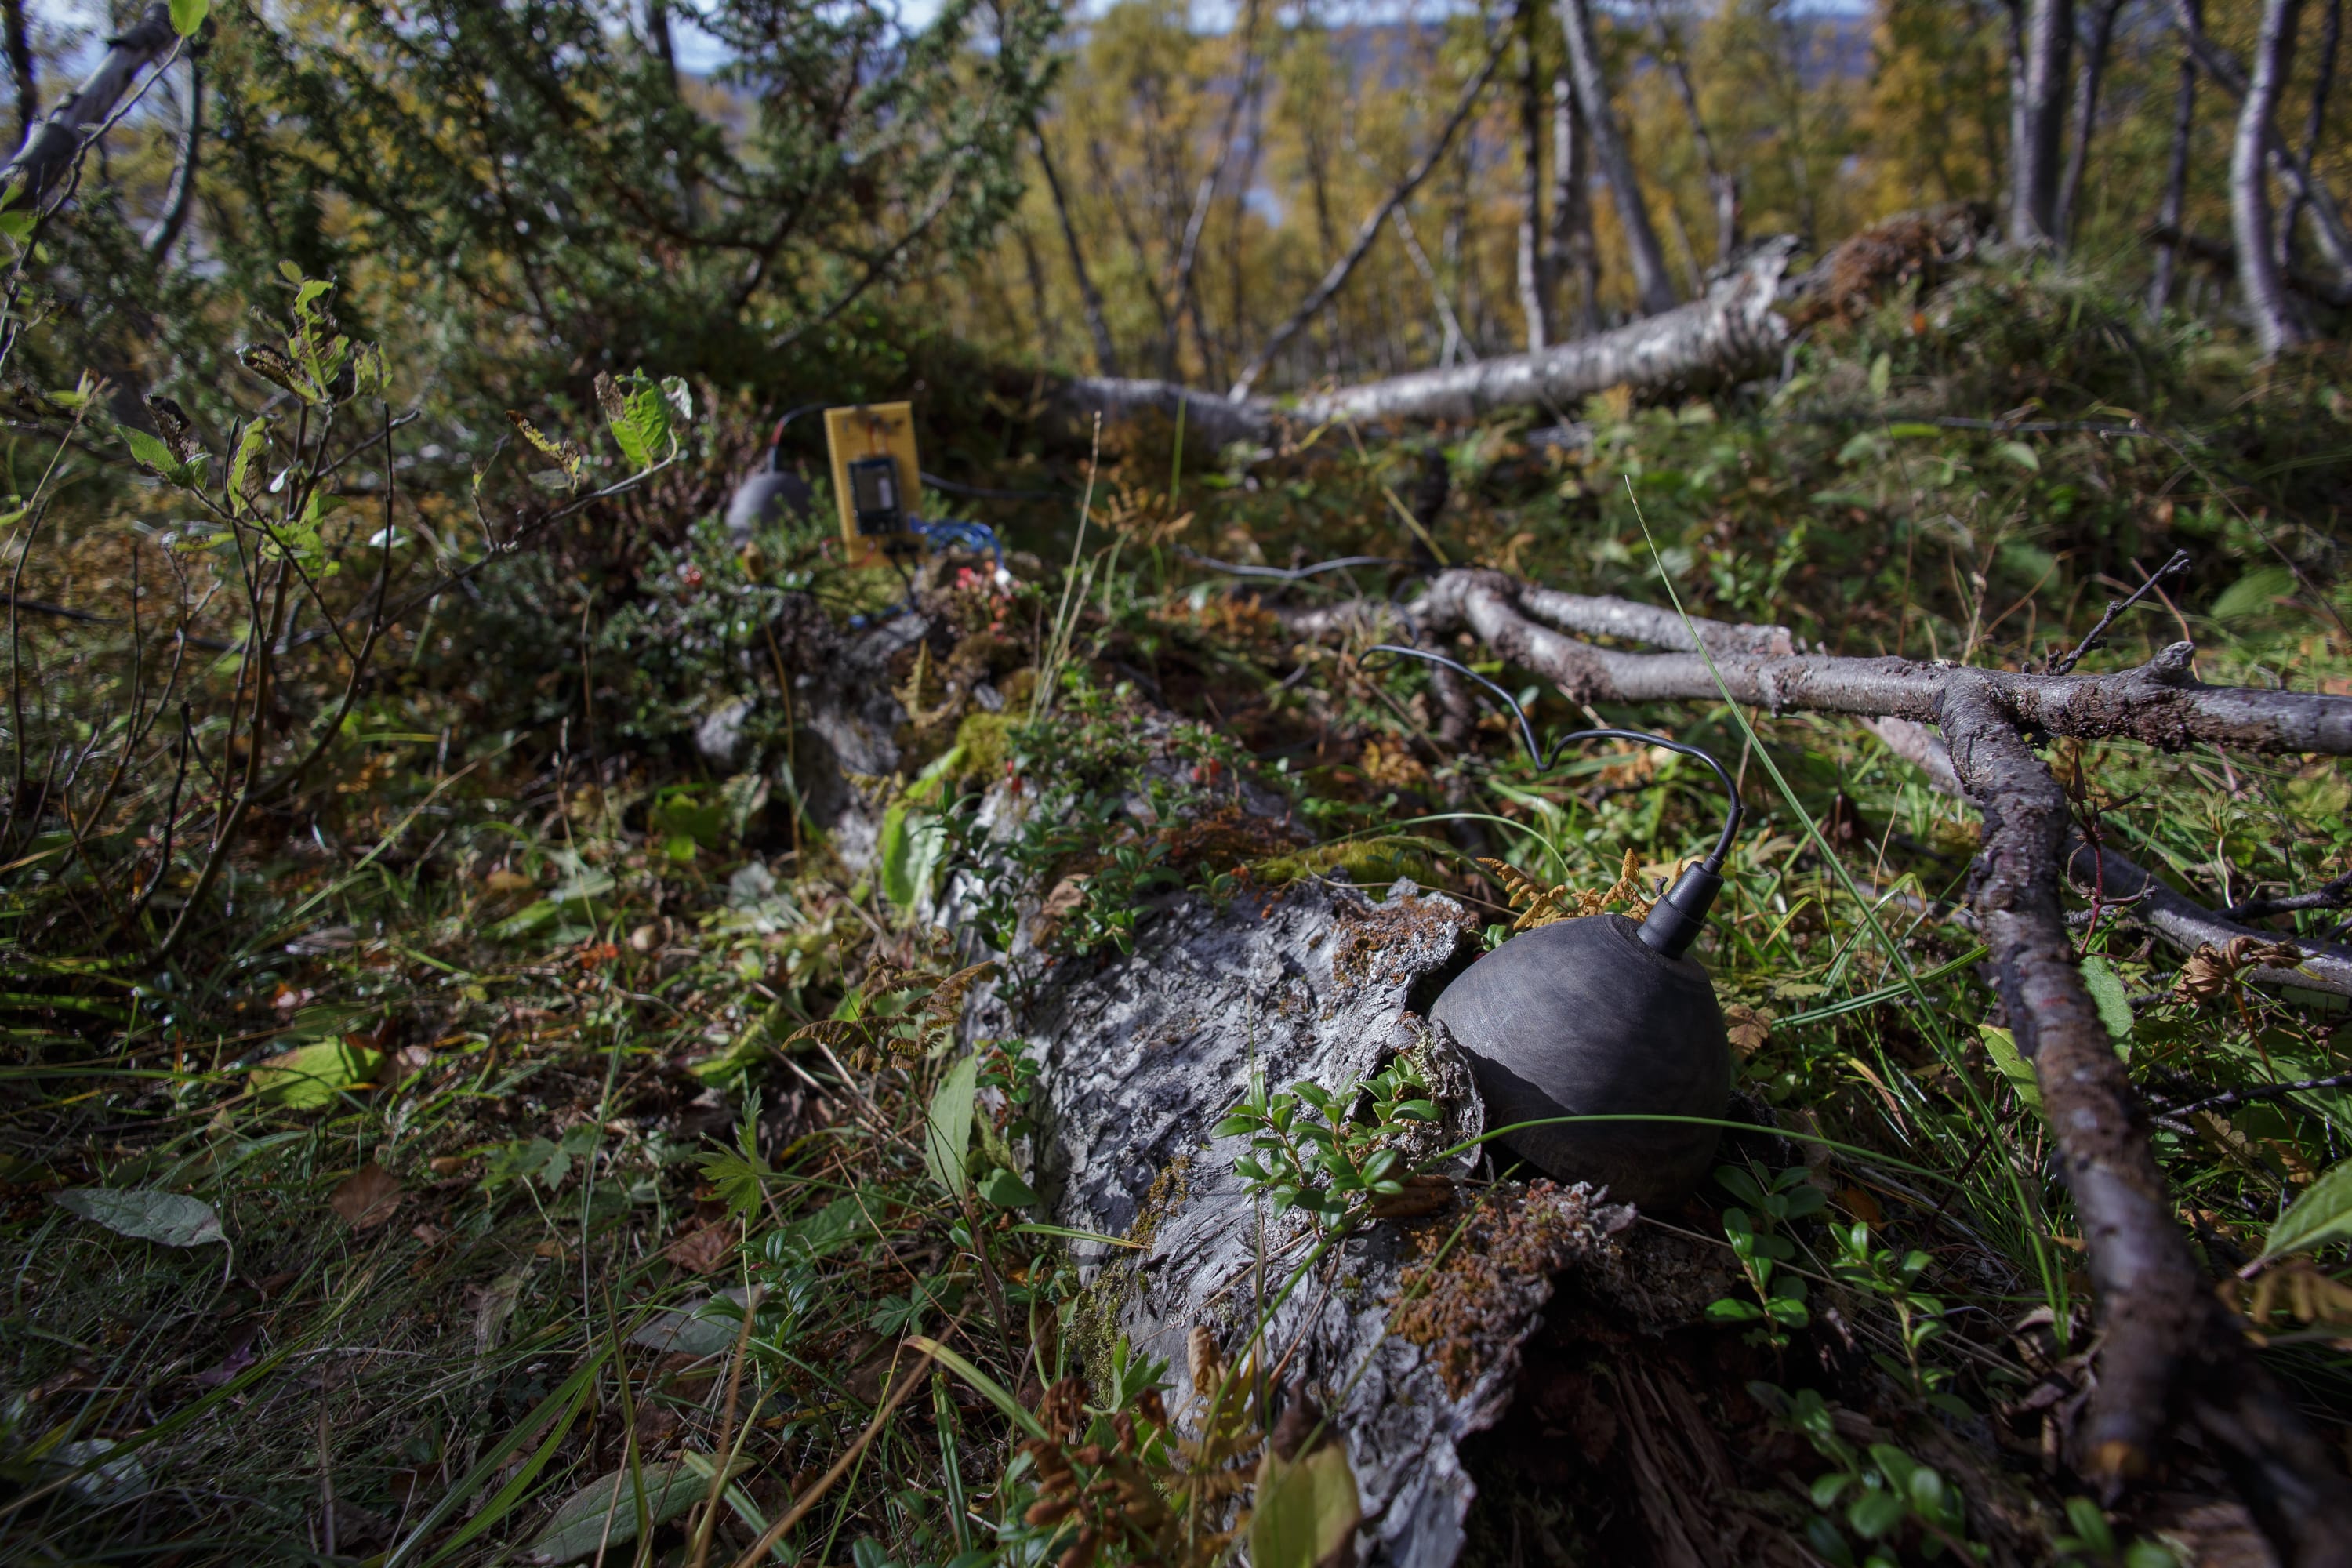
2294, 170
1535, 284
2276, 324
51, 145
1733, 329
1651, 282
1574, 251
2037, 121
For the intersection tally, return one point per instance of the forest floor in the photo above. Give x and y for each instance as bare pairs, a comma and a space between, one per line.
500, 1060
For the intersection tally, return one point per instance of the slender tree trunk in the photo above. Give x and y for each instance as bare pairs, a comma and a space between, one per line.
1335, 279
182, 198
2037, 120
657, 34
1182, 294
1574, 250
2323, 81
1652, 285
20, 64
1535, 284
1722, 186
2294, 171
1453, 341
1049, 326
2276, 325
2095, 41
1319, 178
2176, 180
1090, 297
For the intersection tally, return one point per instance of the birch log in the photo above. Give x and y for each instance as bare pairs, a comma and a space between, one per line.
1733, 330
50, 148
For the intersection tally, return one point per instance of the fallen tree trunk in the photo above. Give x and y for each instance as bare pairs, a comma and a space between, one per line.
1403, 1331
2169, 1349
1731, 331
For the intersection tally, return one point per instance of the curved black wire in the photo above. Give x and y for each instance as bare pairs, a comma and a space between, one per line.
1544, 764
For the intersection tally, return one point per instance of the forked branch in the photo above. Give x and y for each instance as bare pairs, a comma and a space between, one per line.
2169, 1349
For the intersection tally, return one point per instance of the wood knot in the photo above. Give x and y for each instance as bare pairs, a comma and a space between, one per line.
2171, 667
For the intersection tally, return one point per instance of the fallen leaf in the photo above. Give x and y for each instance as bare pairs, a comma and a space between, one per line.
311, 1076
415, 1058
702, 1249
174, 1219
447, 1165
367, 1197
430, 1234
506, 883
1748, 1028
603, 1513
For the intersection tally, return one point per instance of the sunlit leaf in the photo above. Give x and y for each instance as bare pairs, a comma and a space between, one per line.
174, 1219
2324, 1213
1307, 1508
946, 1131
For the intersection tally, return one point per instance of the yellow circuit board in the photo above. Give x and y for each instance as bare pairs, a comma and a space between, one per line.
872, 429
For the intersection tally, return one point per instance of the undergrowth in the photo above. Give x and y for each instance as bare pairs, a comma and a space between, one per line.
577, 1121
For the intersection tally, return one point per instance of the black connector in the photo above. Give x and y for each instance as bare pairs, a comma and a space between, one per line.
1677, 918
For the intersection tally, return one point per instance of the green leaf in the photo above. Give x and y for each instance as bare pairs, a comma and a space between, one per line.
249, 446
604, 1511
174, 1219
150, 451
1007, 1190
1066, 1233
2254, 595
2107, 988
1882, 375
947, 1132
1827, 1488
18, 225
1875, 1512
1306, 1510
311, 1076
187, 16
2002, 1046
2019, 453
2324, 1213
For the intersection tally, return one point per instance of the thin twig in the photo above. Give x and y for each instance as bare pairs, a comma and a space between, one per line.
2098, 634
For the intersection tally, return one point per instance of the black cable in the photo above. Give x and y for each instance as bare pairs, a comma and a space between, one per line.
981, 492
1544, 764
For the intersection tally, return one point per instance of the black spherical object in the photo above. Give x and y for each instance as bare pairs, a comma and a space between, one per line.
1582, 1018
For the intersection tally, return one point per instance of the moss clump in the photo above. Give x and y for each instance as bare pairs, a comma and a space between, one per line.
1368, 862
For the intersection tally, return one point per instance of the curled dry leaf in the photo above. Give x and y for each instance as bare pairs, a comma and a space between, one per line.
367, 1197
2211, 970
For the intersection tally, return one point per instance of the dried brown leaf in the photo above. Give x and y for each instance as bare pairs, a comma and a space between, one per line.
367, 1197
